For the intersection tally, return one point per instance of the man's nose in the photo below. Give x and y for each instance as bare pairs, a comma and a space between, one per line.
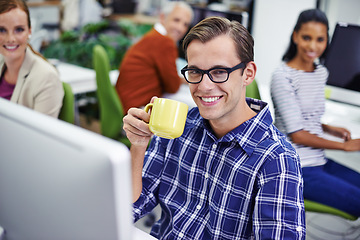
206, 82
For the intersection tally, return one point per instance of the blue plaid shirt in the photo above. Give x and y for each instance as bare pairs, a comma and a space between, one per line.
245, 185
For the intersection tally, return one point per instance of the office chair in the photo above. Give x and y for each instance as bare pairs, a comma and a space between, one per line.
312, 206
67, 111
111, 111
252, 90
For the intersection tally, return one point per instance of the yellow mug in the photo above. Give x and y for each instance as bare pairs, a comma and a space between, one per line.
167, 117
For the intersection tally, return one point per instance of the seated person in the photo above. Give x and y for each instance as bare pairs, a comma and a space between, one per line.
26, 78
297, 90
149, 67
232, 174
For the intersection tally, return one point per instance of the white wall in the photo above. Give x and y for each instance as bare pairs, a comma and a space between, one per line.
341, 11
273, 23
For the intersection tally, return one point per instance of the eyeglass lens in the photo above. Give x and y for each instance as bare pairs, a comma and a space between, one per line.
217, 75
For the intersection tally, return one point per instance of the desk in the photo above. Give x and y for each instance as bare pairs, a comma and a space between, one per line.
336, 114
347, 116
182, 95
83, 80
141, 235
343, 115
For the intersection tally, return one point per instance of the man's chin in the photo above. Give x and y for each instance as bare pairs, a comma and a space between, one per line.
207, 113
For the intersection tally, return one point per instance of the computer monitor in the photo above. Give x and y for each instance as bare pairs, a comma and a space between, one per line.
59, 181
343, 63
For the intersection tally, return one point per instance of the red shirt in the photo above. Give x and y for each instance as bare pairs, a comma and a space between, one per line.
148, 69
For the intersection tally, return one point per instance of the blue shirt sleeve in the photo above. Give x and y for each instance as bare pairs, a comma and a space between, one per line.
279, 205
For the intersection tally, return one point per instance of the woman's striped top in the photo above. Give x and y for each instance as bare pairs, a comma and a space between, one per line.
299, 103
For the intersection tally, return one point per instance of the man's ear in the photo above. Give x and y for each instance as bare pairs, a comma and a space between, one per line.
249, 73
162, 18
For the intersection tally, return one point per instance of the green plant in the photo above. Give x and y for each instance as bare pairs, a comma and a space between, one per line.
76, 46
130, 28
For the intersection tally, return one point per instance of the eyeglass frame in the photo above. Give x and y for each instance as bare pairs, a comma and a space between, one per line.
207, 72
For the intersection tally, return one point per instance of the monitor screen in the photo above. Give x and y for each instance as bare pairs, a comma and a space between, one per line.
343, 60
59, 181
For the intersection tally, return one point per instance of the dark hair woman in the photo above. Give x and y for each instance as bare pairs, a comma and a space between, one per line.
298, 94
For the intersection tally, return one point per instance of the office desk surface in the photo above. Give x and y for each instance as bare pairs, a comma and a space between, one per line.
141, 235
343, 115
81, 80
347, 116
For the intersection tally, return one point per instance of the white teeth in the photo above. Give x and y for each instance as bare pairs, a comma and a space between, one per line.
311, 54
11, 47
211, 99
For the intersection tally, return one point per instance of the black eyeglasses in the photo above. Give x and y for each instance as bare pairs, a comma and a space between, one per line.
216, 74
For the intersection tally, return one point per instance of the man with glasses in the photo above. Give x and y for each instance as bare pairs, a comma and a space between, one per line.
232, 174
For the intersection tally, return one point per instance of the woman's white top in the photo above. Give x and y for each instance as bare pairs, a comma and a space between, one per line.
299, 103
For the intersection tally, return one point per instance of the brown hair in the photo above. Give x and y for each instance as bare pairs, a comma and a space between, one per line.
8, 5
212, 27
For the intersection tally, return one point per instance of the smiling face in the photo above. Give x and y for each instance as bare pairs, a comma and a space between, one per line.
220, 103
177, 22
14, 33
311, 42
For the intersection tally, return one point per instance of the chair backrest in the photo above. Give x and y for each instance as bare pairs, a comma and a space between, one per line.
252, 90
111, 111
312, 206
67, 112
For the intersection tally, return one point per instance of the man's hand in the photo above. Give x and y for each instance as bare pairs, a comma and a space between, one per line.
139, 134
136, 127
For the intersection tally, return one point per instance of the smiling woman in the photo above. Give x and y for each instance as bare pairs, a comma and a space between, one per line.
26, 77
14, 35
297, 90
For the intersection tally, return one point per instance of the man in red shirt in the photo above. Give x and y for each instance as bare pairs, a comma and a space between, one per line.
149, 67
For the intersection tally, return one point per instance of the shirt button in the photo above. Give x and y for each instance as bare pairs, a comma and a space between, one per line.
198, 207
181, 235
214, 146
206, 175
298, 229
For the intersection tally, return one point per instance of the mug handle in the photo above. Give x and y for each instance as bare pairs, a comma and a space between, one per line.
148, 106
